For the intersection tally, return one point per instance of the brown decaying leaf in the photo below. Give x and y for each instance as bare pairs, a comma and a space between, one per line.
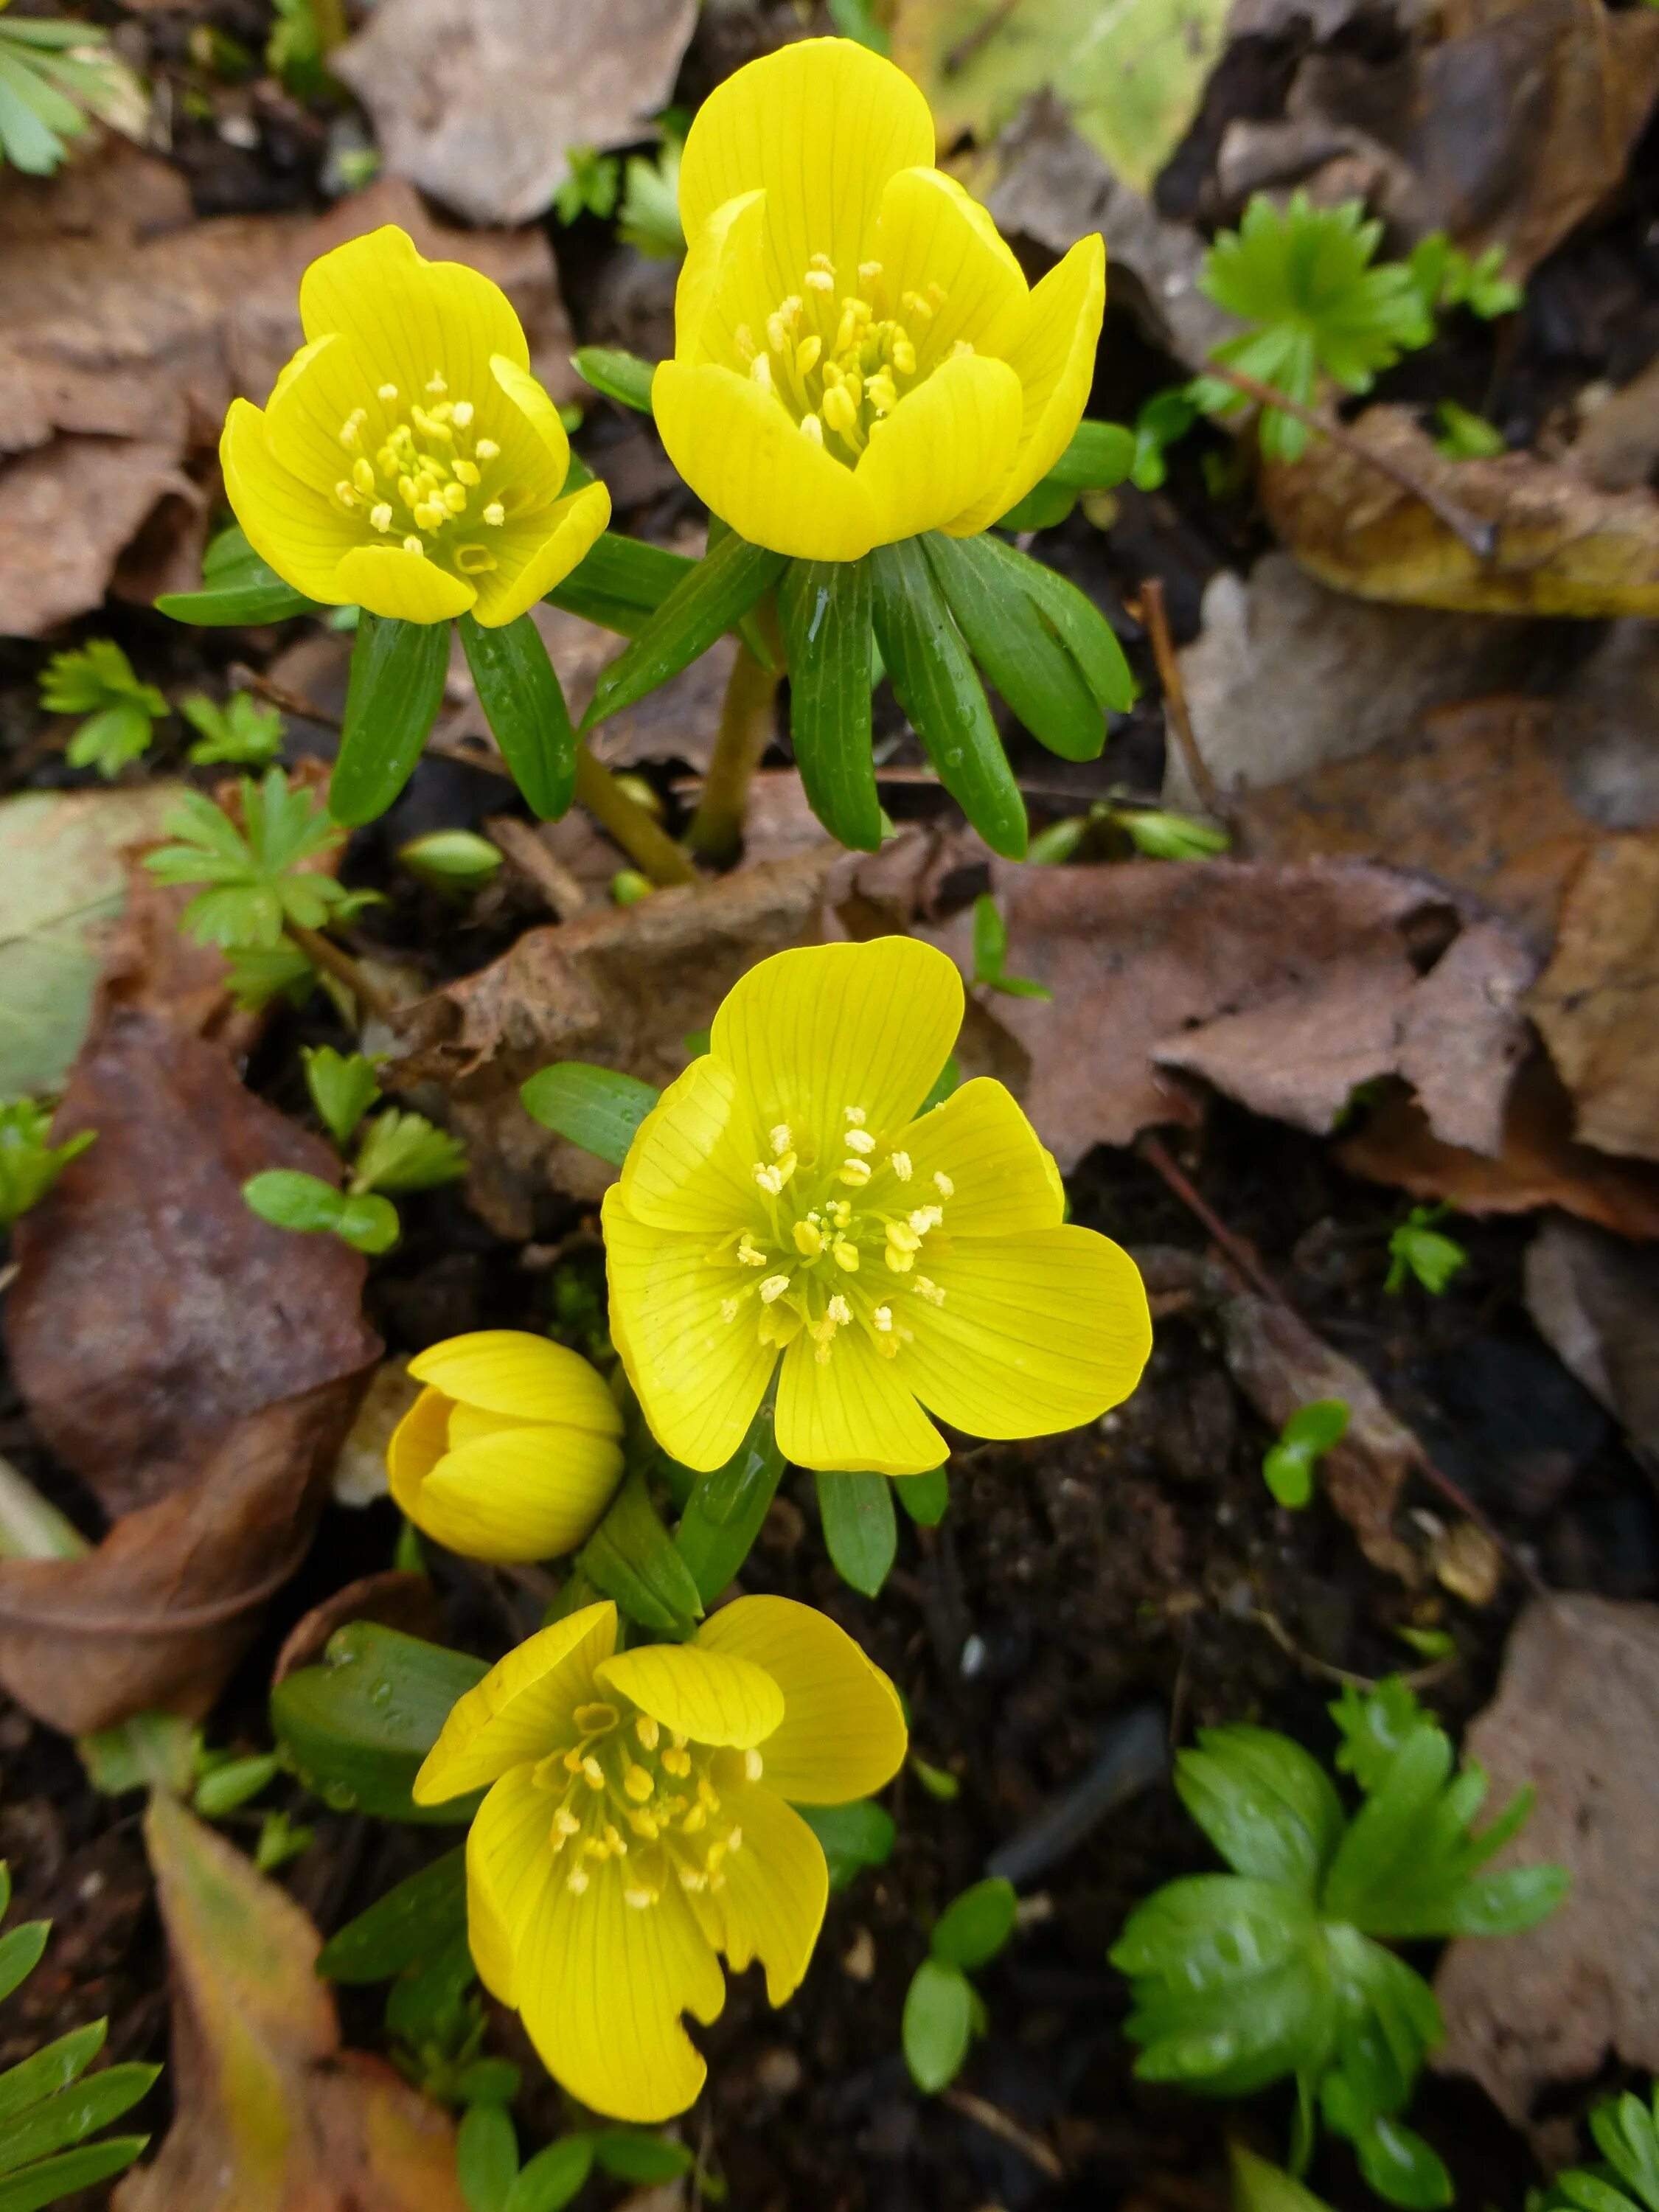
195, 1366
270, 2112
1562, 547
1595, 1301
1597, 1003
479, 100
129, 328
1576, 1715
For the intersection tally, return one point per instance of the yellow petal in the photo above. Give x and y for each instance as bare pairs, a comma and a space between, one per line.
741, 452
819, 126
943, 447
300, 531
854, 1410
509, 1371
810, 1033
518, 1710
1037, 1332
1001, 1179
529, 1492
530, 401
508, 1864
402, 586
418, 1442
314, 396
408, 318
713, 1696
721, 285
931, 231
842, 1734
688, 1167
1053, 357
601, 1985
534, 555
775, 1889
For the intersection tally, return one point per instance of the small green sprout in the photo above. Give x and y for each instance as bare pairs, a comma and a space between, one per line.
454, 862
991, 950
1158, 835
1280, 1968
943, 2010
1163, 421
629, 887
1310, 1433
1466, 437
29, 1164
1626, 2133
404, 1152
342, 1086
243, 732
1417, 1248
51, 74
280, 1839
257, 880
1445, 278
592, 186
938, 1781
492, 2180
648, 219
97, 682
294, 51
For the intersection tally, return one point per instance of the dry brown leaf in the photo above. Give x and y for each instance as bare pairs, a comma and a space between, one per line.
271, 2115
1576, 1715
1284, 985
1595, 1302
1562, 547
480, 102
1597, 1003
1618, 446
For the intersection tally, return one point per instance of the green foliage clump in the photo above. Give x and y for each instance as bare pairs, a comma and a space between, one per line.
1626, 2133
244, 732
1417, 1249
256, 876
943, 2010
97, 681
592, 186
52, 75
648, 219
29, 1164
1280, 1967
1311, 1432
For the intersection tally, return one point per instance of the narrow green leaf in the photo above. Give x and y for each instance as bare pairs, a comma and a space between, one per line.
73, 2113
825, 609
934, 681
724, 1511
859, 1530
852, 1837
925, 1497
620, 582
70, 2171
553, 2177
236, 1782
397, 686
1082, 629
620, 376
627, 2155
938, 2025
1016, 646
974, 1927
413, 1919
237, 588
50, 2069
701, 607
359, 1725
20, 1953
598, 1107
631, 1557
525, 708
486, 2158
1401, 2166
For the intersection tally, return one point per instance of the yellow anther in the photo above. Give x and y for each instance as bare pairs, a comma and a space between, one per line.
943, 1184
781, 1137
362, 474
962, 349
847, 1256
638, 1784
931, 1292
812, 429
898, 1259
495, 514
925, 1217
883, 1318
869, 274
565, 1823
388, 393
900, 1163
854, 1116
840, 408
436, 386
381, 516
351, 428
461, 414
734, 1840
809, 1238
408, 491
693, 1878
454, 496
777, 336
807, 356
753, 1766
749, 1252
760, 369
466, 474
841, 1212
431, 514
707, 1795
614, 1843
904, 1234
694, 1821
647, 1731
855, 322
676, 1761
839, 1312
774, 1178
644, 1825
640, 1899
728, 1310
860, 1140
344, 494
431, 427
577, 1880
413, 545
905, 355
486, 449
773, 1288
881, 392
855, 1173
592, 1773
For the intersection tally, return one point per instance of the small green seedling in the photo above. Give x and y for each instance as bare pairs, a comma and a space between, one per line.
1288, 1465
492, 2180
1626, 2133
1259, 2186
1417, 1249
943, 2010
97, 682
1466, 437
939, 1782
1446, 277
29, 1165
257, 879
1153, 832
1280, 1968
648, 219
592, 186
242, 733
991, 950
457, 862
52, 75
854, 1836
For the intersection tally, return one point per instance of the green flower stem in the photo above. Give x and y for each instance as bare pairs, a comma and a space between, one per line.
649, 846
336, 961
746, 727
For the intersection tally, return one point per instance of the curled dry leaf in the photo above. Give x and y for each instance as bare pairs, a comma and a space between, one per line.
1595, 1302
195, 1366
1597, 1003
1561, 547
269, 2110
1576, 1715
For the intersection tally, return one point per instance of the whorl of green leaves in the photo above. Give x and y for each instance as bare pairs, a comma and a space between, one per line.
256, 878
1626, 2133
1277, 1969
51, 75
29, 1165
97, 682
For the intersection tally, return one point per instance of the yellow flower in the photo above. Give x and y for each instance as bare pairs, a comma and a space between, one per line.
513, 1451
858, 357
639, 1822
783, 1197
407, 460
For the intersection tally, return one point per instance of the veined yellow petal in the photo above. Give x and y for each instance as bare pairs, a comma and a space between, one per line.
713, 1696
810, 1033
720, 285
842, 1734
1037, 1332
820, 125
525, 1494
1002, 1182
539, 552
509, 1371
518, 1710
532, 402
688, 1167
1053, 357
853, 1410
931, 231
743, 455
942, 447
411, 318
297, 530
402, 586
776, 1887
601, 1985
509, 1863
700, 1379
418, 1442
314, 396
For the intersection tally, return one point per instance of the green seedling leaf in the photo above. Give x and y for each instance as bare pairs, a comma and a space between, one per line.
412, 1920
631, 1557
1465, 436
1401, 2166
290, 1198
852, 1837
619, 376
405, 1151
859, 1531
368, 1223
553, 2177
1417, 1249
358, 1726
73, 2113
50, 2069
991, 950
257, 876
1163, 836
648, 219
1259, 2187
938, 1781
938, 2026
235, 1782
279, 1840
486, 2158
590, 188
525, 708
343, 1088
70, 2171
28, 1164
20, 1950
627, 2155
244, 732
1310, 1433
925, 1497
98, 681
1016, 646
238, 588
709, 599
396, 688
598, 1107
974, 1927
455, 861
825, 609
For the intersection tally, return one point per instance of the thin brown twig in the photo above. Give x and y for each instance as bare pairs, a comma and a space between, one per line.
291, 702
1480, 538
996, 2122
959, 55
1155, 615
323, 952
1420, 1678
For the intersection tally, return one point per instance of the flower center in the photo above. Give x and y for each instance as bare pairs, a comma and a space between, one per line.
844, 1241
631, 1791
840, 364
422, 477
